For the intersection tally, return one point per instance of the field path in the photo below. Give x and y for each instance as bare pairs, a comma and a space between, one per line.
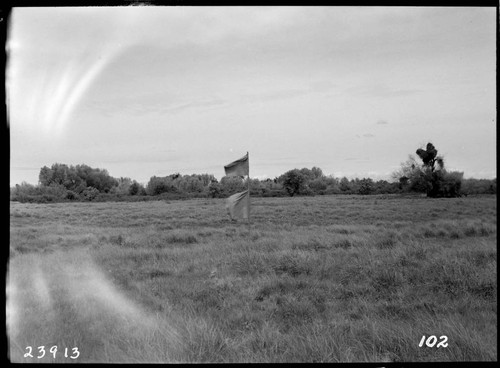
63, 299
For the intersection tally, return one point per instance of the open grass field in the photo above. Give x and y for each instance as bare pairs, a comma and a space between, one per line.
311, 279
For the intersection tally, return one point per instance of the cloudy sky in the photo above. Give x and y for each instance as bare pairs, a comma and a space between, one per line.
144, 91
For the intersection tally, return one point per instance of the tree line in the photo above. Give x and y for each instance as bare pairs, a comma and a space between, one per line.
63, 182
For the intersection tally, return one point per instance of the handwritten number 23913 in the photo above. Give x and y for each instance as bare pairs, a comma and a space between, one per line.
53, 350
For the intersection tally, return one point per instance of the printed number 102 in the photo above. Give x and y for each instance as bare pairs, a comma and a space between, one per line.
432, 340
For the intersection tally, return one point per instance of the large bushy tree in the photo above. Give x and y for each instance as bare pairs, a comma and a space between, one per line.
294, 182
366, 186
430, 177
76, 178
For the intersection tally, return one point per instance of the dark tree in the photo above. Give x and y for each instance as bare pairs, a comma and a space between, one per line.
366, 186
345, 185
293, 182
436, 180
134, 188
429, 156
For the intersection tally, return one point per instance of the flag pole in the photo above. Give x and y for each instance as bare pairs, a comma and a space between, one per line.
248, 183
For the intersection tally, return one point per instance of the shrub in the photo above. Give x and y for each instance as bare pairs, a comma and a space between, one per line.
293, 182
134, 188
71, 195
214, 190
90, 193
318, 185
444, 184
26, 192
366, 186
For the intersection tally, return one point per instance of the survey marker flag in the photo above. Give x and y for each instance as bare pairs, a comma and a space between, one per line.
238, 167
238, 205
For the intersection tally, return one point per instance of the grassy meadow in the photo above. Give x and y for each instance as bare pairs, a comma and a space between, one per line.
309, 279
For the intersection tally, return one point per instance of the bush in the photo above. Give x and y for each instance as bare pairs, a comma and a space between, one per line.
214, 190
318, 185
74, 177
90, 193
71, 195
366, 186
158, 186
479, 186
444, 184
26, 192
294, 182
134, 188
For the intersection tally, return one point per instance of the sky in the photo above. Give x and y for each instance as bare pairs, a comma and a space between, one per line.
148, 91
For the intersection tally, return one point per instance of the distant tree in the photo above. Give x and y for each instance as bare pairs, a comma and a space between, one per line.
479, 186
318, 185
90, 193
60, 174
159, 185
293, 181
383, 186
214, 190
366, 186
96, 178
71, 195
430, 177
354, 184
332, 185
403, 182
411, 176
142, 190
191, 184
345, 185
407, 171
444, 184
317, 172
123, 186
206, 179
76, 178
134, 188
45, 176
430, 158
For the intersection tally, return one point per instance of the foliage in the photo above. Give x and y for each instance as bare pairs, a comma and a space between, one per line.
26, 192
134, 188
410, 176
479, 186
344, 185
445, 184
214, 190
429, 156
76, 178
180, 184
90, 193
430, 177
294, 182
71, 195
158, 185
366, 186
318, 185
122, 187
61, 182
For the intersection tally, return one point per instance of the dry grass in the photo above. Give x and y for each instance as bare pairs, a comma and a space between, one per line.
323, 279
